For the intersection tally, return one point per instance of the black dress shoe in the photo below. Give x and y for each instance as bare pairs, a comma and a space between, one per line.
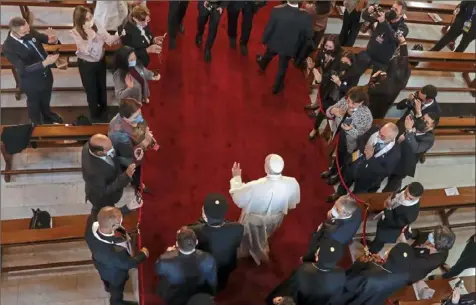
332, 198
244, 49
259, 61
172, 44
278, 89
182, 29
333, 180
198, 41
327, 174
208, 55
233, 43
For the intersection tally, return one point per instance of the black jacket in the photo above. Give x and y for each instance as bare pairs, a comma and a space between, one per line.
135, 40
341, 230
424, 262
412, 147
28, 64
104, 183
287, 30
110, 259
383, 41
406, 105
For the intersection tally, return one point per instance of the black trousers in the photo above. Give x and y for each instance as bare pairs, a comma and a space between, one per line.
350, 28
465, 261
317, 37
136, 178
203, 17
116, 293
177, 10
93, 77
246, 21
394, 183
350, 174
38, 103
282, 66
456, 29
376, 245
342, 154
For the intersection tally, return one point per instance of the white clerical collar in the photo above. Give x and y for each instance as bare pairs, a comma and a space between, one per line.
426, 105
293, 5
186, 253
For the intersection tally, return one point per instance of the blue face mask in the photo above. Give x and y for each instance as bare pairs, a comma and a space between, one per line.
431, 238
138, 119
132, 63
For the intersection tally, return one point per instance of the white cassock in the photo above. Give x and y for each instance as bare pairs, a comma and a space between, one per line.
264, 203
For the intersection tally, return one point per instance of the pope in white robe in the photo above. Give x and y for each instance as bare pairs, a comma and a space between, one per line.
264, 203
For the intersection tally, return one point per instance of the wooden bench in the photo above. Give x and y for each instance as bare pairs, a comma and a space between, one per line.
406, 295
65, 229
53, 136
432, 200
418, 6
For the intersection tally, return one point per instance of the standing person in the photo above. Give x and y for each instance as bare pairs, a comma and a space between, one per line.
24, 49
208, 10
104, 179
317, 282
401, 209
264, 203
131, 76
342, 222
112, 252
219, 237
177, 10
90, 39
351, 23
136, 33
320, 11
463, 24
287, 32
248, 10
110, 15
184, 271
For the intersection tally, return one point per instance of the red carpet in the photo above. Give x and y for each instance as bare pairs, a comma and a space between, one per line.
206, 116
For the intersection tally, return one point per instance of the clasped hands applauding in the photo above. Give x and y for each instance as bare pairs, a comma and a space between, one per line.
51, 59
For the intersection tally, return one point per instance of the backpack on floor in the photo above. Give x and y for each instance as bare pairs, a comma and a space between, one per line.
41, 220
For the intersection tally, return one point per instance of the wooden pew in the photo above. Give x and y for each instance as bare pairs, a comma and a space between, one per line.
65, 229
406, 295
432, 200
445, 122
53, 136
419, 6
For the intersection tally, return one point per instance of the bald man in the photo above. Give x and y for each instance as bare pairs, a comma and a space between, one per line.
102, 174
112, 252
373, 161
264, 203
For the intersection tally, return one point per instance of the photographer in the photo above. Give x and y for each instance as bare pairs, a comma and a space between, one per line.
385, 86
384, 39
351, 22
417, 104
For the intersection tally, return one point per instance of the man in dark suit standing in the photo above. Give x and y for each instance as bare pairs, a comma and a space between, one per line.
210, 9
102, 173
417, 139
184, 271
289, 29
219, 237
112, 252
177, 10
248, 9
374, 160
24, 49
342, 222
401, 209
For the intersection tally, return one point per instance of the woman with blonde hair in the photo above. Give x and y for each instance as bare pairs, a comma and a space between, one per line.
90, 39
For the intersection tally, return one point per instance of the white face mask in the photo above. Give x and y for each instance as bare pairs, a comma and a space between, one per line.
111, 153
334, 213
431, 238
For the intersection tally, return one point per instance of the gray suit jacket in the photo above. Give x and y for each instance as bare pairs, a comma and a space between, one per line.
121, 90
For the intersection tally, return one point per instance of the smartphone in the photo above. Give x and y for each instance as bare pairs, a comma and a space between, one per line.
347, 121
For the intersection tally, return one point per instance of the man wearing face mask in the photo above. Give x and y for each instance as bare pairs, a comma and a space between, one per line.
112, 252
209, 10
102, 173
401, 209
219, 237
374, 160
417, 140
23, 47
342, 222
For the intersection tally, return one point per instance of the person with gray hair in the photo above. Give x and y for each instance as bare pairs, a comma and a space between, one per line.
264, 203
373, 161
342, 222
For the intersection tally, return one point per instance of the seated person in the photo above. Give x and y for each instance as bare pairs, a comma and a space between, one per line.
465, 261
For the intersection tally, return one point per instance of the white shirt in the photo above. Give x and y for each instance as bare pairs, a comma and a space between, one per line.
293, 5
269, 195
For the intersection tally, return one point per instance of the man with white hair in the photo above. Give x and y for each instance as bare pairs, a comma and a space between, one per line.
264, 203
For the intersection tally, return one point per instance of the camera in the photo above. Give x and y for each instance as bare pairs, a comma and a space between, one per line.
399, 33
411, 102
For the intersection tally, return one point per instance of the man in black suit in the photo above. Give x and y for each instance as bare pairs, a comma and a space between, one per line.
210, 9
112, 252
24, 49
342, 222
401, 209
374, 160
218, 237
177, 10
417, 104
417, 139
248, 10
288, 30
102, 174
184, 271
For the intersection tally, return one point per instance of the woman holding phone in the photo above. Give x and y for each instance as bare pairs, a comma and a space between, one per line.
90, 39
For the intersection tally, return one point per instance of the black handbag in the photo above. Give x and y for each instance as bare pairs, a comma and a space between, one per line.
41, 220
